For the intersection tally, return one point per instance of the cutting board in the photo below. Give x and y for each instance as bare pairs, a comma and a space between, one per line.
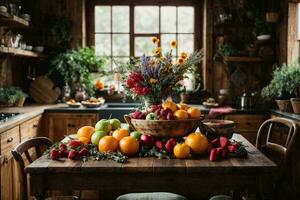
42, 90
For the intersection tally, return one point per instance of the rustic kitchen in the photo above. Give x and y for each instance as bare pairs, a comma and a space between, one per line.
144, 100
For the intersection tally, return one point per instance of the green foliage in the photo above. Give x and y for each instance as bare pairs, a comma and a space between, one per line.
61, 30
76, 66
11, 94
286, 79
227, 50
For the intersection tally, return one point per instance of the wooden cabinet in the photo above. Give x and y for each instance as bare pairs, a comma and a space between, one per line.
31, 128
60, 124
247, 124
9, 172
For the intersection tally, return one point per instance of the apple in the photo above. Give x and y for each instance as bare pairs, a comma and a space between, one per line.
159, 145
103, 125
151, 116
97, 136
147, 140
115, 124
170, 144
136, 135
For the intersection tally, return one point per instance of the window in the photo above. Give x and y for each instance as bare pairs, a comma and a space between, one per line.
121, 31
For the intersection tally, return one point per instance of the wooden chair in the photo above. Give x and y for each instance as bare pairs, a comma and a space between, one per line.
37, 144
278, 151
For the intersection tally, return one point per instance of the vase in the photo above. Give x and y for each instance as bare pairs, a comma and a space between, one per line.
296, 105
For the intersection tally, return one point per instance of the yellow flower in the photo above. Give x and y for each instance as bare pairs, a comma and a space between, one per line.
153, 81
152, 62
180, 61
162, 59
155, 40
183, 55
173, 44
157, 51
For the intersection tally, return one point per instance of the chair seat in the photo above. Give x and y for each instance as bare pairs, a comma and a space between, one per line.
221, 197
151, 196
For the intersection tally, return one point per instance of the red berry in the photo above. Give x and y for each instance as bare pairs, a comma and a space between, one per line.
84, 152
170, 144
62, 146
224, 142
136, 114
219, 151
159, 145
232, 148
54, 154
142, 116
213, 155
215, 143
63, 153
73, 155
225, 153
75, 143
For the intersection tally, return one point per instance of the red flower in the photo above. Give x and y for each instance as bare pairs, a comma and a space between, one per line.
141, 90
134, 80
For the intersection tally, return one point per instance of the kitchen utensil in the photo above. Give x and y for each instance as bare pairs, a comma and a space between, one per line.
222, 127
247, 100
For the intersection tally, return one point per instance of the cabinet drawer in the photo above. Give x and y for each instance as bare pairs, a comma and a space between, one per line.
30, 128
9, 140
247, 122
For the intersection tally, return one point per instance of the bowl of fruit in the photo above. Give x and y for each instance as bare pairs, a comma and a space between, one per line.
93, 102
165, 120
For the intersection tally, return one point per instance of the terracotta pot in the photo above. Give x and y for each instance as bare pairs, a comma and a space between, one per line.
21, 102
272, 17
284, 105
296, 105
164, 128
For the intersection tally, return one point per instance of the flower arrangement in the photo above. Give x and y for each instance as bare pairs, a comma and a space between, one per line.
155, 78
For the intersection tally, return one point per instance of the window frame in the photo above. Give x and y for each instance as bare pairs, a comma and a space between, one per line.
198, 20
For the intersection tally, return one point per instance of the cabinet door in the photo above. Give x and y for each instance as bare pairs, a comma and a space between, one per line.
31, 128
6, 178
247, 124
61, 124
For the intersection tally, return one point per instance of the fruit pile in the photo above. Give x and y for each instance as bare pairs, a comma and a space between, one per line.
168, 110
222, 148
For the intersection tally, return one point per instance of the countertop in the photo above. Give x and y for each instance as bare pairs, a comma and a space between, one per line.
30, 111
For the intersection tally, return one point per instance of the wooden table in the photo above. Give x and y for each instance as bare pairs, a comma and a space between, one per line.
194, 178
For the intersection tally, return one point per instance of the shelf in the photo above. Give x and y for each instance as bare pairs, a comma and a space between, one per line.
12, 21
20, 52
242, 59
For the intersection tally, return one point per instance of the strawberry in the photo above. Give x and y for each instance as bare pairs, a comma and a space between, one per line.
63, 153
73, 155
84, 152
224, 142
159, 145
170, 144
136, 114
215, 143
54, 154
225, 153
237, 145
75, 143
62, 146
232, 148
219, 151
213, 155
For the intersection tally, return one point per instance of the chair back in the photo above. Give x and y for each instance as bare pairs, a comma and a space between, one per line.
22, 149
279, 150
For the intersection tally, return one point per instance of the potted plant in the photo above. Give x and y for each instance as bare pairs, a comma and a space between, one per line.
283, 86
76, 66
10, 96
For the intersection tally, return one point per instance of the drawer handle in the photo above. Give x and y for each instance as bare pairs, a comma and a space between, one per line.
10, 140
5, 161
35, 126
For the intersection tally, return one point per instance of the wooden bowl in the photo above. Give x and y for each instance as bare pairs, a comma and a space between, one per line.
164, 128
222, 127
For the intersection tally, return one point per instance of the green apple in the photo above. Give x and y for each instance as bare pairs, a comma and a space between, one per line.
151, 116
97, 136
115, 124
136, 135
103, 125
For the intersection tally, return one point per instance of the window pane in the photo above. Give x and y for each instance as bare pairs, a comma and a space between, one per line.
120, 61
143, 45
102, 44
120, 44
168, 19
165, 43
102, 19
120, 19
146, 19
185, 19
185, 43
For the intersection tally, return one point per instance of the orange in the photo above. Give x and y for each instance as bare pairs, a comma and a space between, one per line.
194, 113
99, 85
108, 144
129, 146
182, 106
120, 133
181, 151
86, 131
197, 142
181, 114
84, 140
169, 105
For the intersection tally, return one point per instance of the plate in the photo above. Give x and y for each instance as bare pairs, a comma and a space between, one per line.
210, 105
74, 105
